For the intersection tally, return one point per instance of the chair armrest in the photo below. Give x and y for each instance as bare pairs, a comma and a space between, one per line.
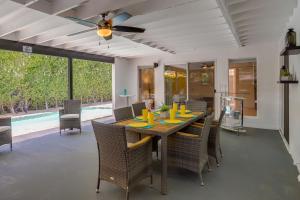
140, 143
199, 123
187, 135
5, 121
197, 126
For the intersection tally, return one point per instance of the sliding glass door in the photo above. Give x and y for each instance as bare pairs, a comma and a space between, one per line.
175, 84
201, 83
146, 85
242, 83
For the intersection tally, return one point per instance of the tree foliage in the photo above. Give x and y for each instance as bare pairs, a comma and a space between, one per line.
40, 82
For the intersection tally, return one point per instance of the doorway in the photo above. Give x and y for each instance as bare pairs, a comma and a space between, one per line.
242, 83
146, 85
201, 83
175, 84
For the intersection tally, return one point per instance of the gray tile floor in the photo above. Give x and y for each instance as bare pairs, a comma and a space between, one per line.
256, 166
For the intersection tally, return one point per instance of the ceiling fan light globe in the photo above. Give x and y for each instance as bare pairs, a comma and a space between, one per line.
104, 32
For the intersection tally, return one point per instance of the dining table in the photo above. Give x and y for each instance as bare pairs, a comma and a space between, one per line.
159, 128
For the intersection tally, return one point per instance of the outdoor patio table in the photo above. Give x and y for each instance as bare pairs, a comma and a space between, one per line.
163, 130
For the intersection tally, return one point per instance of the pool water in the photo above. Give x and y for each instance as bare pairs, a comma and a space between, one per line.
42, 121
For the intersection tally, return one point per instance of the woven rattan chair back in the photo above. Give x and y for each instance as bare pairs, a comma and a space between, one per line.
123, 113
197, 106
221, 116
72, 106
112, 145
137, 108
204, 139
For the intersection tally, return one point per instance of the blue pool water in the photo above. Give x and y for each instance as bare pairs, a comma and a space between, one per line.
42, 121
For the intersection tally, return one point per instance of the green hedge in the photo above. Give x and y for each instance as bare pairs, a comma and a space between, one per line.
38, 82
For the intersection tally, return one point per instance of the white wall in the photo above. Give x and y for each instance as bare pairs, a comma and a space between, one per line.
123, 77
294, 146
267, 65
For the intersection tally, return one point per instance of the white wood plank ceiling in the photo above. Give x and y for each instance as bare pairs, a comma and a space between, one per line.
172, 26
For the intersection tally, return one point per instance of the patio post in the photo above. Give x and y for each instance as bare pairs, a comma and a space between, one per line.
70, 77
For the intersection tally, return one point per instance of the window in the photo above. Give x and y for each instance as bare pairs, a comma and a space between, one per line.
242, 83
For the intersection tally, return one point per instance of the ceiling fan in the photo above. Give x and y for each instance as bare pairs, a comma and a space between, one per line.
105, 27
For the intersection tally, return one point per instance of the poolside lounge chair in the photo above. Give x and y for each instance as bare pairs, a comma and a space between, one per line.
121, 163
188, 150
70, 116
5, 132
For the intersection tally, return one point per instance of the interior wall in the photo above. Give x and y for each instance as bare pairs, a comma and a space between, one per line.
267, 65
125, 76
294, 146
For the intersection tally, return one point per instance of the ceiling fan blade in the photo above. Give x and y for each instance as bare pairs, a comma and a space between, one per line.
88, 23
128, 29
120, 18
85, 31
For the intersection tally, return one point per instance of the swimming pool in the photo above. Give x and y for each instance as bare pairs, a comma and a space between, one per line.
42, 121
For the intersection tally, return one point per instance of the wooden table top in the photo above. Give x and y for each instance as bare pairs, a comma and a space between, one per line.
162, 129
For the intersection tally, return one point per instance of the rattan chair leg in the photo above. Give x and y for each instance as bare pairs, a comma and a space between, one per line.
221, 152
217, 161
209, 166
127, 194
201, 179
98, 183
11, 146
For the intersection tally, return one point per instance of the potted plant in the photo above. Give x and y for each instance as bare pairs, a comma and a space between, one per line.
284, 74
164, 111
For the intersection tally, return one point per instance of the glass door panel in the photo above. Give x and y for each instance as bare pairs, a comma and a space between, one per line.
201, 83
146, 85
175, 84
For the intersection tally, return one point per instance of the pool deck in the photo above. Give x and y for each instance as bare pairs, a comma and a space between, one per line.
34, 122
48, 110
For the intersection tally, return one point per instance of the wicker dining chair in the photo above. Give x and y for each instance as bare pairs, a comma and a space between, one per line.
70, 116
5, 132
214, 145
197, 106
188, 150
138, 107
123, 113
122, 163
137, 110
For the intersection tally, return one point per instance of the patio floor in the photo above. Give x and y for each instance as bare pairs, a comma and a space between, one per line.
256, 165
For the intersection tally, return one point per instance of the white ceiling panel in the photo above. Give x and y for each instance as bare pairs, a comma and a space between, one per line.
172, 26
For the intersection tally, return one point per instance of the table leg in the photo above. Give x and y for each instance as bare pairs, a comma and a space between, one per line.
164, 164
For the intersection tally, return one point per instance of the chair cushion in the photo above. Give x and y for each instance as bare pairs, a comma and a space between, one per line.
4, 128
70, 116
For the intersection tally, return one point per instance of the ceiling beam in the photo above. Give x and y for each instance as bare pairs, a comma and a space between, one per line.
38, 49
94, 8
40, 27
227, 17
53, 7
12, 24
